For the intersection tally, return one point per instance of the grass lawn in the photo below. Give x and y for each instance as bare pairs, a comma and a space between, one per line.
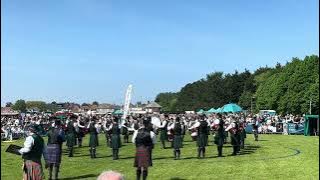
274, 157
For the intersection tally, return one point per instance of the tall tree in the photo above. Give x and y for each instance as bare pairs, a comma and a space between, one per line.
9, 104
95, 103
20, 105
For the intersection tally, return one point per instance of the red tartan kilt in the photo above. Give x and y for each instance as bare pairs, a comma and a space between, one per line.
33, 170
142, 158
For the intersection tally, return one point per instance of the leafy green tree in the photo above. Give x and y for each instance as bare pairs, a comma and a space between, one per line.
95, 103
42, 106
20, 105
167, 101
286, 89
9, 104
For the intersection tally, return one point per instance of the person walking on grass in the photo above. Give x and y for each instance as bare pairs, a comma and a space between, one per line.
32, 152
93, 141
56, 137
115, 138
164, 130
177, 139
144, 140
71, 134
219, 134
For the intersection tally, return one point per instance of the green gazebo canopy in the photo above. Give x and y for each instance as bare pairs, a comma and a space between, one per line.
117, 112
311, 122
200, 111
231, 108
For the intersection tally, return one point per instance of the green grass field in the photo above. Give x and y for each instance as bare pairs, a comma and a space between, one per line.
274, 157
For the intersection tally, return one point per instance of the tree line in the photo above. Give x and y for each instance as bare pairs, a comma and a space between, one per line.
22, 105
286, 89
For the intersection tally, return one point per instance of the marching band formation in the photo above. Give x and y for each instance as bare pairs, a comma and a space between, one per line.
170, 127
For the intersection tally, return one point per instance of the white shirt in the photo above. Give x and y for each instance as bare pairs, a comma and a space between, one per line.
195, 125
28, 145
152, 134
163, 124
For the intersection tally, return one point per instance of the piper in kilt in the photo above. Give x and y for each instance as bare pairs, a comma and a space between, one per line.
80, 131
164, 131
125, 131
202, 139
71, 135
54, 149
115, 138
243, 135
32, 151
144, 140
177, 139
219, 134
93, 141
255, 128
107, 125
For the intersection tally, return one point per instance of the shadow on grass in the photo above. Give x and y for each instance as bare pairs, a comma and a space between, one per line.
80, 177
103, 156
127, 157
177, 178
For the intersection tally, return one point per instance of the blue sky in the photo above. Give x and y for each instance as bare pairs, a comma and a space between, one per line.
87, 50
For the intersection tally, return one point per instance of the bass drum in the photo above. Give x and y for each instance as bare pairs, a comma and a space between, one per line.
170, 135
194, 135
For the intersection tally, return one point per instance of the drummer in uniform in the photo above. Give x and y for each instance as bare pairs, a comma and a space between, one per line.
202, 140
219, 134
170, 131
232, 128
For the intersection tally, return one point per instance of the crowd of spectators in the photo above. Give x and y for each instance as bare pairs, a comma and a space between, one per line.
14, 127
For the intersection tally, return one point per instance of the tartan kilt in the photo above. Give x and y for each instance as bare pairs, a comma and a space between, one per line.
234, 140
202, 140
163, 135
177, 141
218, 140
142, 158
93, 141
54, 153
115, 141
71, 139
32, 170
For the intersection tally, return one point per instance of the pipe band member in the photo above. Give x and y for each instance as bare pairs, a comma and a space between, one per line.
93, 141
56, 137
32, 152
144, 140
115, 138
177, 139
